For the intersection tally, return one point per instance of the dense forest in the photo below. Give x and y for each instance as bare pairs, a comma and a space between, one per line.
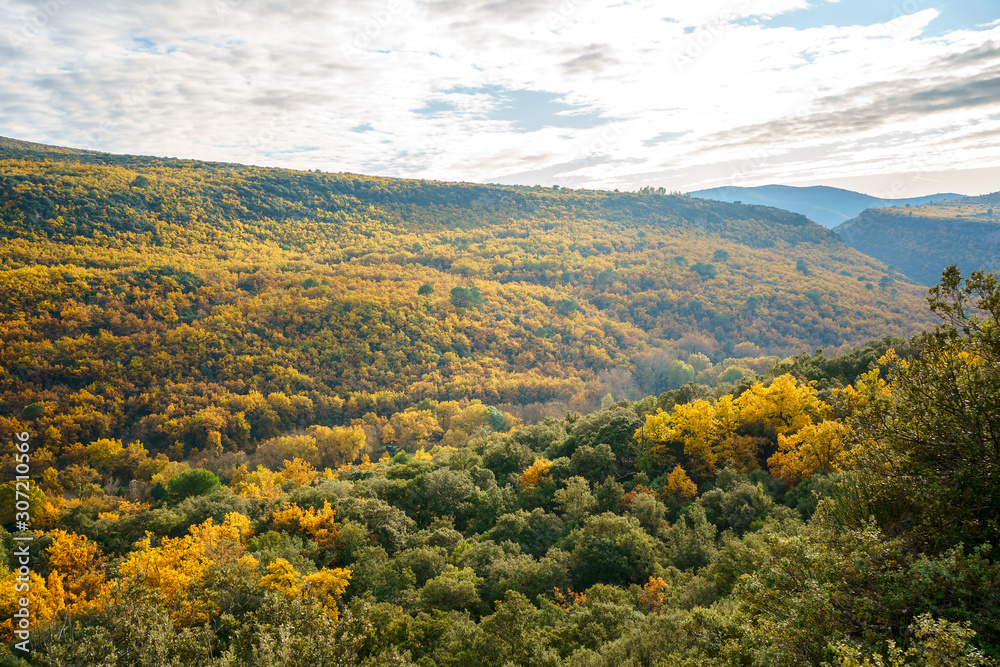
204, 308
792, 521
301, 418
920, 241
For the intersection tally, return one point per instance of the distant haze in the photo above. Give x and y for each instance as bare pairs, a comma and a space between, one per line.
825, 205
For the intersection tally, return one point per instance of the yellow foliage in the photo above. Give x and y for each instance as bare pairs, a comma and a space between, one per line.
814, 447
727, 416
326, 586
536, 473
282, 577
80, 565
739, 451
866, 388
43, 603
569, 599
340, 444
171, 567
169, 471
652, 596
785, 405
105, 454
262, 483
299, 472
319, 525
694, 424
679, 486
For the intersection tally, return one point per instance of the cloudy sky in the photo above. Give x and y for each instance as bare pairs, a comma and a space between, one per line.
893, 98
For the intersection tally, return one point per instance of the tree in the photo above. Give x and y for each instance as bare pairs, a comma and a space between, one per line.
813, 448
453, 589
198, 482
784, 406
679, 374
465, 297
679, 486
575, 501
424, 289
928, 443
536, 473
612, 549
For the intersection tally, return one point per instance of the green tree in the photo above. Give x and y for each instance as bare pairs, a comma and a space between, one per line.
466, 297
612, 549
929, 455
198, 482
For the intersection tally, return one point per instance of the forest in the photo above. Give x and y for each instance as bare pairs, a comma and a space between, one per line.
299, 418
836, 510
202, 308
920, 241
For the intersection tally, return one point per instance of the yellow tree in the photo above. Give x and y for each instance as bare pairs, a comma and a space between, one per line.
536, 473
814, 447
319, 525
79, 566
784, 405
658, 438
340, 444
178, 562
299, 472
695, 425
679, 486
325, 586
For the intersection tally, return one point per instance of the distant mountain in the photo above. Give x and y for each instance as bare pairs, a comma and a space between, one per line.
825, 205
921, 241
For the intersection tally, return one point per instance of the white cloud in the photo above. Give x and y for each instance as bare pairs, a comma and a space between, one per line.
566, 91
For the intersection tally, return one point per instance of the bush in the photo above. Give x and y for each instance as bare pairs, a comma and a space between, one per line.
705, 270
199, 482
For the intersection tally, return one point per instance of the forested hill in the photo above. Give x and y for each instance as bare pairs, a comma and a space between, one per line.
162, 299
922, 240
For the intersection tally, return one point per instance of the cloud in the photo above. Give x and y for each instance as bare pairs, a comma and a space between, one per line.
591, 93
663, 137
592, 59
874, 106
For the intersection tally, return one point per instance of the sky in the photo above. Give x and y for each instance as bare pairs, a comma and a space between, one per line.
895, 98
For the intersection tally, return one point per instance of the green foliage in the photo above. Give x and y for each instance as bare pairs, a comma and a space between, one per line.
465, 297
611, 549
705, 270
235, 317
921, 241
198, 482
929, 458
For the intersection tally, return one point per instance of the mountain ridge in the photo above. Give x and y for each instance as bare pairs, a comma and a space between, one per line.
826, 205
921, 241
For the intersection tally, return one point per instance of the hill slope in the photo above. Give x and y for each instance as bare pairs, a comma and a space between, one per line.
825, 205
922, 240
164, 299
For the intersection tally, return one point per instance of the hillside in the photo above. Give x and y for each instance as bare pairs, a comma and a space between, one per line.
921, 241
825, 205
765, 526
209, 306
